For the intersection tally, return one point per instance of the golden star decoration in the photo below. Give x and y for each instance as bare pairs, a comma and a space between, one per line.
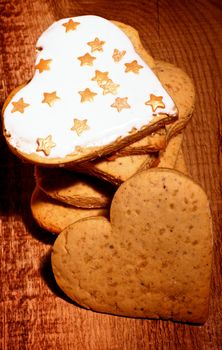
70, 25
43, 65
155, 102
80, 126
45, 145
133, 67
19, 106
118, 55
86, 60
50, 98
120, 103
109, 87
96, 45
100, 77
87, 95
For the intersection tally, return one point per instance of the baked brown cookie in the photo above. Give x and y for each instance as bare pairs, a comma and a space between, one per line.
118, 169
55, 216
153, 259
168, 157
74, 189
180, 86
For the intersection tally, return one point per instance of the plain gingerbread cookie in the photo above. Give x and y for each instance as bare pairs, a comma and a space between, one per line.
153, 259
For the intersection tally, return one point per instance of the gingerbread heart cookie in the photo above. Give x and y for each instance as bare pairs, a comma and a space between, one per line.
153, 259
90, 95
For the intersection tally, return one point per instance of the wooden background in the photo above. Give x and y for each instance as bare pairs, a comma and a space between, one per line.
34, 314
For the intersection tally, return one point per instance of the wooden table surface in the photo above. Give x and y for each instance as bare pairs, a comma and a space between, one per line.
34, 314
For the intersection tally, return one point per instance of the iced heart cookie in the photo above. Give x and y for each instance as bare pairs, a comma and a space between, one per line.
153, 259
86, 99
55, 216
74, 189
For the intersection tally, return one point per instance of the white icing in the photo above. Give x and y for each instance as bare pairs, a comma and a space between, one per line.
67, 77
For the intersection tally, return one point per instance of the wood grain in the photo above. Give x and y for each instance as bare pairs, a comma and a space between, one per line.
34, 313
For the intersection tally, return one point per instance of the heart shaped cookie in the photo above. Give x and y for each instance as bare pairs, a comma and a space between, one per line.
90, 91
153, 259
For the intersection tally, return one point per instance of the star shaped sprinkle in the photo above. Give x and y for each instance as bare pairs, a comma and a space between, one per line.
70, 25
87, 95
118, 55
120, 103
101, 77
45, 145
155, 102
80, 126
96, 45
133, 67
109, 87
19, 106
43, 65
86, 60
50, 98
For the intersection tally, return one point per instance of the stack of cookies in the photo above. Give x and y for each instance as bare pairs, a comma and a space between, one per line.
95, 118
79, 196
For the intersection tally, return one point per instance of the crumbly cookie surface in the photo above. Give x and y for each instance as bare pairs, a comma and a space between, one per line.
153, 260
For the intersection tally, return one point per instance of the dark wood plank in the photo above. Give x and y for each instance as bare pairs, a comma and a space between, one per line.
34, 313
